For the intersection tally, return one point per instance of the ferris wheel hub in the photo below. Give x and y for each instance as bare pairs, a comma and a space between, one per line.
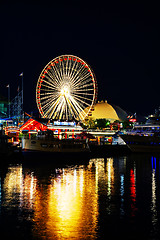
65, 91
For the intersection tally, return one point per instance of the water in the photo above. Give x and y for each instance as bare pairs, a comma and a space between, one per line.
108, 196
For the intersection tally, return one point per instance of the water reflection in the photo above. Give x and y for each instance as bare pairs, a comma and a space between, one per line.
71, 207
153, 203
19, 188
84, 201
133, 190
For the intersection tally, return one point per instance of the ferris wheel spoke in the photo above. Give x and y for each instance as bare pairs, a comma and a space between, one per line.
50, 111
56, 72
77, 103
78, 70
76, 76
71, 68
82, 79
49, 93
50, 103
48, 90
82, 102
51, 97
59, 108
78, 107
84, 93
85, 86
82, 71
62, 109
68, 70
56, 110
87, 91
47, 108
61, 69
82, 97
55, 67
71, 108
74, 71
67, 65
74, 110
45, 84
52, 78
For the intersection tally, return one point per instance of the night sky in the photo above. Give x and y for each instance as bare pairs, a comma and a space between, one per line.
120, 41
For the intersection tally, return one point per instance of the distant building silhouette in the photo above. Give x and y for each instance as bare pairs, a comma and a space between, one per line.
3, 107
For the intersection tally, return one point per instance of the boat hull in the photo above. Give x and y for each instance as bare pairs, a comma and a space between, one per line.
139, 143
55, 146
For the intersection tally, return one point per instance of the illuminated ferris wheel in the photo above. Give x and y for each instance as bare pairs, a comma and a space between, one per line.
66, 89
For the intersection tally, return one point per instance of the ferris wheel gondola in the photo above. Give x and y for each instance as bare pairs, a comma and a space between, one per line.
66, 89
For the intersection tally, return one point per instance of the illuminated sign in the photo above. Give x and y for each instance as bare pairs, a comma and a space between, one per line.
57, 123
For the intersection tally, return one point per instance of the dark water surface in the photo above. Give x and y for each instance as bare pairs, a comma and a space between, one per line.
108, 196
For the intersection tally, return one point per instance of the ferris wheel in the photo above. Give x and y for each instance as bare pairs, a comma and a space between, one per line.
66, 89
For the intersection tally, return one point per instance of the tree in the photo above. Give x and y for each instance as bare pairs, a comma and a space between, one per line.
89, 123
102, 123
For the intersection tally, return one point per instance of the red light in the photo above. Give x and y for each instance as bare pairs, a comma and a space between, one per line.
132, 120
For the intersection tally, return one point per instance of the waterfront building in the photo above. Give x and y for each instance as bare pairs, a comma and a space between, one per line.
60, 129
3, 107
104, 110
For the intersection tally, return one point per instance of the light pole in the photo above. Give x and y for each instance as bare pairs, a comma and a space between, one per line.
21, 75
8, 86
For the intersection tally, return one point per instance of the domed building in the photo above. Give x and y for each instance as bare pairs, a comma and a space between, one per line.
102, 109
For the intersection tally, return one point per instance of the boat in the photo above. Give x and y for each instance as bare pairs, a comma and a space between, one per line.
48, 143
143, 138
6, 147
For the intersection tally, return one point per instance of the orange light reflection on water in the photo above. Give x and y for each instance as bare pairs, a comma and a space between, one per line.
19, 188
68, 208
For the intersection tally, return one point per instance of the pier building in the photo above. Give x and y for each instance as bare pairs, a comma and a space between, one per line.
103, 109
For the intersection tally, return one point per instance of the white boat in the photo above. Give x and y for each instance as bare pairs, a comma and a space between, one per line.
143, 138
45, 143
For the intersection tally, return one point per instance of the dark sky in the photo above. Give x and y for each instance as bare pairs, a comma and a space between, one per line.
120, 41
